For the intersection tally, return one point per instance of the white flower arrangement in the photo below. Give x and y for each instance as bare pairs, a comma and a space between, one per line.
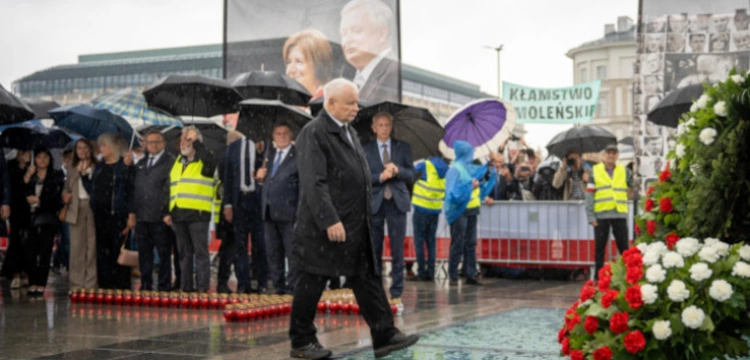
656, 274
672, 259
707, 136
700, 271
680, 151
709, 254
688, 246
651, 258
649, 293
677, 291
702, 101
693, 317
745, 252
741, 269
737, 78
720, 290
662, 329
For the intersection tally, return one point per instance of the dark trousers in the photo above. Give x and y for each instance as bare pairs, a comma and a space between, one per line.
14, 257
463, 244
601, 238
109, 239
192, 241
368, 290
425, 229
152, 235
38, 251
248, 221
227, 252
278, 248
62, 254
389, 213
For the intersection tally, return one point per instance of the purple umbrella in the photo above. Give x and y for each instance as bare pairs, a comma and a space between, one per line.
485, 124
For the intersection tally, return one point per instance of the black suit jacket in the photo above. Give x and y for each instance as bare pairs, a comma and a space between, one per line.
281, 191
401, 156
152, 188
335, 182
383, 83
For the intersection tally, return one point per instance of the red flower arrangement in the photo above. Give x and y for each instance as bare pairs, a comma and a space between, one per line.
633, 297
651, 227
665, 205
665, 175
618, 323
649, 205
634, 341
650, 190
603, 353
576, 355
609, 297
671, 240
591, 324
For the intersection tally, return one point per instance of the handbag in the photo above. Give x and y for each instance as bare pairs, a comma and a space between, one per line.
63, 214
127, 257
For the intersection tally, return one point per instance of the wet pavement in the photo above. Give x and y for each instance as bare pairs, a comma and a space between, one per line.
505, 319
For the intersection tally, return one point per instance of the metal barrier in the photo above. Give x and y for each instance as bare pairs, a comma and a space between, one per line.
525, 234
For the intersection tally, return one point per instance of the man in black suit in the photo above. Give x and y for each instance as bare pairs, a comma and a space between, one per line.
391, 170
279, 206
366, 29
225, 229
242, 209
332, 235
151, 201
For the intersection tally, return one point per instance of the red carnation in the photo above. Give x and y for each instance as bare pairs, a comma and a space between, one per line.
634, 342
604, 282
566, 346
671, 240
618, 323
572, 321
650, 190
665, 175
632, 257
609, 297
633, 297
637, 230
634, 274
649, 205
603, 353
591, 324
651, 227
587, 292
562, 334
576, 355
665, 205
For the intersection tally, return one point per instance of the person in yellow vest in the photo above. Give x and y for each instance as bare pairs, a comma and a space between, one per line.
607, 203
191, 200
427, 198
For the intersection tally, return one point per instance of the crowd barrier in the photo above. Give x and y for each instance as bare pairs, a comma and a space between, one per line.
552, 234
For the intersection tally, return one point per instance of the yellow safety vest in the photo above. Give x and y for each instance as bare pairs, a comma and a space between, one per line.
475, 202
611, 193
429, 194
218, 189
189, 189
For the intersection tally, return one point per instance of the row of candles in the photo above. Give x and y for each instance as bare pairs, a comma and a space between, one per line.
168, 299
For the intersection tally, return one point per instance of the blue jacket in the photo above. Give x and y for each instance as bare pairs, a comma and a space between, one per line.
458, 181
440, 166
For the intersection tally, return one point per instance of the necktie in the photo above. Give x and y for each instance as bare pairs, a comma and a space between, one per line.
276, 163
359, 80
387, 194
150, 163
348, 134
248, 165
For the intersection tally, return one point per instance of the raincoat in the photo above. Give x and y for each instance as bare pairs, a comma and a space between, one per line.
458, 181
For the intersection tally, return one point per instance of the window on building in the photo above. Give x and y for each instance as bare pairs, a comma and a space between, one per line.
583, 75
602, 110
601, 72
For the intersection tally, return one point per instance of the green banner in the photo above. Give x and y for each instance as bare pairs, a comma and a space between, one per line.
568, 105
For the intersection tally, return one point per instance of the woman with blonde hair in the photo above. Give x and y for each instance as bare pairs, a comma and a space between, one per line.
309, 60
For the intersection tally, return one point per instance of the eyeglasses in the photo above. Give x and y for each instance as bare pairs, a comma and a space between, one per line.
157, 142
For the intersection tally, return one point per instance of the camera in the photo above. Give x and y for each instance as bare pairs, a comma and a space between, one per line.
571, 161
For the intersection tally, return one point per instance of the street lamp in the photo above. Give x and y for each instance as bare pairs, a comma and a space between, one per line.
499, 83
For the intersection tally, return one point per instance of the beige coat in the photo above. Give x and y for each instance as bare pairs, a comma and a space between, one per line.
71, 186
561, 179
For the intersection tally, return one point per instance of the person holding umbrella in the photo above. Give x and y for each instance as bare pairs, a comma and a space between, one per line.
607, 203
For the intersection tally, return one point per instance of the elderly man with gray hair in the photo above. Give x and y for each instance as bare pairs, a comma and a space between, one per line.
191, 200
333, 231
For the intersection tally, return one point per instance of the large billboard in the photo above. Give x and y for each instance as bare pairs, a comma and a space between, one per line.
567, 105
681, 43
314, 41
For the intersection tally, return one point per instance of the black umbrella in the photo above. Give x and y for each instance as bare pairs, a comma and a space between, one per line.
584, 138
668, 111
12, 109
413, 125
194, 95
28, 136
271, 85
214, 135
317, 104
41, 107
257, 118
628, 140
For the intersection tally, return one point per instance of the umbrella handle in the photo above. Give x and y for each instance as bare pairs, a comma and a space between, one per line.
132, 141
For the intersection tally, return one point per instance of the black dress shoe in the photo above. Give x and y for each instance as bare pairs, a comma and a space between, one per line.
311, 351
453, 282
397, 342
223, 290
473, 281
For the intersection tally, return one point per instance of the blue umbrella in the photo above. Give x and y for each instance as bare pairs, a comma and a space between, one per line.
131, 104
485, 124
91, 122
30, 135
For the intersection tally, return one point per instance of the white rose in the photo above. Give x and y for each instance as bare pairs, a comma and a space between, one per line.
707, 136
720, 290
656, 274
680, 151
688, 246
677, 291
672, 260
711, 241
702, 101
741, 269
721, 248
651, 258
745, 252
700, 271
662, 329
737, 78
720, 109
690, 122
709, 254
693, 317
694, 107
642, 247
659, 247
649, 293
682, 129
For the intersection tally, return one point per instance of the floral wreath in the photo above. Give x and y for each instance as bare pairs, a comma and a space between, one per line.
675, 296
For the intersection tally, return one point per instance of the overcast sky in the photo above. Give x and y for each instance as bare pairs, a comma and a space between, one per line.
445, 36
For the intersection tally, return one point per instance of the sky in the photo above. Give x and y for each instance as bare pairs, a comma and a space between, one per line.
444, 36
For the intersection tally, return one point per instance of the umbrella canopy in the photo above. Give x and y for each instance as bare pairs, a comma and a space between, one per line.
317, 104
91, 122
628, 140
40, 107
586, 139
12, 109
485, 124
193, 95
257, 118
413, 125
131, 104
668, 111
30, 135
214, 135
271, 85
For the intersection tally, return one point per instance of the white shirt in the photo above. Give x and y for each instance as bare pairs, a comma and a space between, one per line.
364, 75
340, 124
284, 152
155, 158
82, 193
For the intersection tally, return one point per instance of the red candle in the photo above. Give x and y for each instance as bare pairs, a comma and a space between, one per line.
334, 307
252, 313
109, 298
345, 308
243, 314
355, 309
195, 302
100, 296
146, 299
127, 299
137, 299
118, 298
229, 314
214, 302
74, 296
174, 300
205, 302
184, 301
394, 309
322, 306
